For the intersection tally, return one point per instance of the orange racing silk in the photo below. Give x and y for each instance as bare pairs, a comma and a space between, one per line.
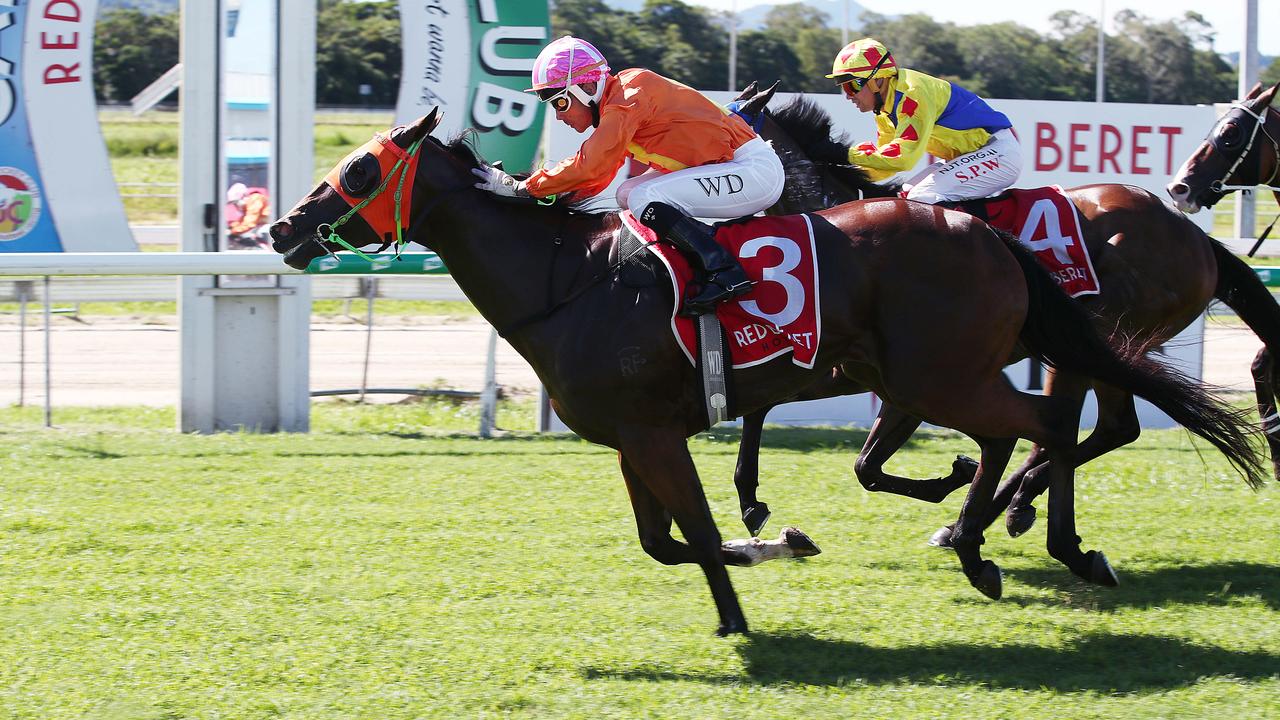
660, 122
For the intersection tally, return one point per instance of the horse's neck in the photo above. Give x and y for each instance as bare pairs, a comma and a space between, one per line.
502, 256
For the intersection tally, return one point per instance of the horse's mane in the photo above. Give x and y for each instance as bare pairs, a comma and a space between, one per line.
810, 128
462, 146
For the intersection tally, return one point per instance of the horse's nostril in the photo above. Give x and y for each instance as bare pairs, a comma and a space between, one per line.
1179, 190
281, 231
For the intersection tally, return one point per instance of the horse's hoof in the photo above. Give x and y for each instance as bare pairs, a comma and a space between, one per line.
964, 467
1020, 519
942, 538
989, 580
755, 517
738, 627
801, 545
1100, 571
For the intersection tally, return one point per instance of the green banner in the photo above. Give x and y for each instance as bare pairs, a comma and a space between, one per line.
472, 59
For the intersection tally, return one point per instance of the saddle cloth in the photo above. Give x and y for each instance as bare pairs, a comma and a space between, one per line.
781, 313
1045, 220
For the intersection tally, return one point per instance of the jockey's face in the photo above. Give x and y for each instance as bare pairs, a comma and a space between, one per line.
865, 99
577, 115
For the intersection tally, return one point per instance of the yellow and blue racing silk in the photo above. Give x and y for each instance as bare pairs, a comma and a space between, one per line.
924, 113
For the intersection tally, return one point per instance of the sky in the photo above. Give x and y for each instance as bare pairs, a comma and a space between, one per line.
1226, 16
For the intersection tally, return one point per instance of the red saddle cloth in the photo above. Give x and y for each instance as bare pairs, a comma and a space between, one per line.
1045, 220
780, 314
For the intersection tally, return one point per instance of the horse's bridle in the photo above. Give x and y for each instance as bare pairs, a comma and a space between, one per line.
1220, 187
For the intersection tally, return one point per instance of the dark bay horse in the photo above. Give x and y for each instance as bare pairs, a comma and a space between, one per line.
1241, 152
932, 336
1157, 272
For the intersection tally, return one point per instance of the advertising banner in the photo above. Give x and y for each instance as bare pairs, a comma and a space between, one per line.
472, 59
57, 192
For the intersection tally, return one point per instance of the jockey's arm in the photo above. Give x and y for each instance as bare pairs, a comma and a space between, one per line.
897, 149
592, 168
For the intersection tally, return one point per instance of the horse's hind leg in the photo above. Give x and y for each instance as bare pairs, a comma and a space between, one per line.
746, 475
660, 472
967, 538
890, 431
1117, 426
1264, 386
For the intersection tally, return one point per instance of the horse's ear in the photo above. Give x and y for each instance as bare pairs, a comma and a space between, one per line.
1254, 92
773, 89
419, 129
756, 105
1269, 96
747, 92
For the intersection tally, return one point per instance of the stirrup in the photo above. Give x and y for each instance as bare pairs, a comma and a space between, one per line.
702, 303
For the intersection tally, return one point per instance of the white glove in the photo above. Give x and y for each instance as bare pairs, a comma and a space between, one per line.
498, 182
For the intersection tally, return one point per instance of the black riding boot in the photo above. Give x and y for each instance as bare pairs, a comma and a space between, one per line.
723, 277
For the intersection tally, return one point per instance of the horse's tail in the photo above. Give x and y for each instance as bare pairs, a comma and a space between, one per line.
1060, 333
1241, 290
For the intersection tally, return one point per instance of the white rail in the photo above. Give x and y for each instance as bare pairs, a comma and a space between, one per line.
166, 263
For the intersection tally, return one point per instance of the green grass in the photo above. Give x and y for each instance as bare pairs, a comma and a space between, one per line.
378, 568
145, 149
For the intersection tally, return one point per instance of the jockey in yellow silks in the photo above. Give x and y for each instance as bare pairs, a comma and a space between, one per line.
978, 153
702, 160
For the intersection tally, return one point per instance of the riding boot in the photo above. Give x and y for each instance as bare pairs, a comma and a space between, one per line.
723, 276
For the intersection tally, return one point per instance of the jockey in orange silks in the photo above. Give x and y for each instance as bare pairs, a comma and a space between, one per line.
702, 161
978, 153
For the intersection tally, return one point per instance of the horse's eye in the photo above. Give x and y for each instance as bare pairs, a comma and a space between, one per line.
1232, 135
361, 175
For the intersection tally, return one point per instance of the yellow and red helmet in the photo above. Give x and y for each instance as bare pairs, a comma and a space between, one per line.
861, 60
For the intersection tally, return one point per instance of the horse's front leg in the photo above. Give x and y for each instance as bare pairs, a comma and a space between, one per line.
890, 431
660, 474
746, 475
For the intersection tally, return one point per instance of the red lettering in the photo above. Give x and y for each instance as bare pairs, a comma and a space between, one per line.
1074, 147
991, 164
1169, 133
59, 43
1139, 149
1046, 135
56, 74
1107, 152
69, 7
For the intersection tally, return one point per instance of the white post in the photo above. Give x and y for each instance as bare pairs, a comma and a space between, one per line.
1100, 74
1244, 213
48, 360
489, 396
24, 294
844, 27
244, 349
733, 49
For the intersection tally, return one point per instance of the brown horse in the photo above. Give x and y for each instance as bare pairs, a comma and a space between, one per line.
933, 337
1157, 271
1241, 152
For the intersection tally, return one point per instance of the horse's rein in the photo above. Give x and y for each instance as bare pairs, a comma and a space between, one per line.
553, 307
1259, 123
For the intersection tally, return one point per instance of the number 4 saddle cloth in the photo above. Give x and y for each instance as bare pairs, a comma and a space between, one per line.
1046, 221
780, 315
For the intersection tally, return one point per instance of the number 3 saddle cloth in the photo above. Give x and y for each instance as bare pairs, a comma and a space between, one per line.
780, 315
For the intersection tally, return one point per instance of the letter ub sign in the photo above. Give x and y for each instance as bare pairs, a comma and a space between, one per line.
472, 60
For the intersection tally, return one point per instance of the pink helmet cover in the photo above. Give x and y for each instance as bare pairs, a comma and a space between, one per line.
568, 57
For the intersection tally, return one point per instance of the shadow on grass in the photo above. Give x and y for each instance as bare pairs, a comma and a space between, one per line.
1213, 585
1097, 663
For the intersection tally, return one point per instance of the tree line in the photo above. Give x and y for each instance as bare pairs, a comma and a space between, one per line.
358, 43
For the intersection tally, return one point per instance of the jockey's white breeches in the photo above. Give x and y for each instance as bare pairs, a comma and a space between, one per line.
745, 185
987, 171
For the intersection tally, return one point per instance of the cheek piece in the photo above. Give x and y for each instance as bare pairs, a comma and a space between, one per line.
381, 210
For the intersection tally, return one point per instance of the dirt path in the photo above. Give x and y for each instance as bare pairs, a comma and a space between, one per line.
120, 361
